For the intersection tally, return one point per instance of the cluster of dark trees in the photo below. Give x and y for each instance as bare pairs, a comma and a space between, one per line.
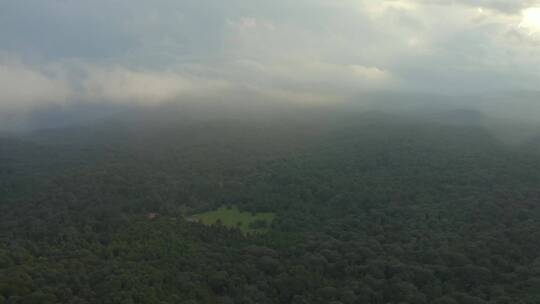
371, 209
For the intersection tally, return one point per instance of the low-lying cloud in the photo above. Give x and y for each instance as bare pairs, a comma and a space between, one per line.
22, 87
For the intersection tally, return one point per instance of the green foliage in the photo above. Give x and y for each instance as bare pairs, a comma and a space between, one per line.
247, 222
368, 210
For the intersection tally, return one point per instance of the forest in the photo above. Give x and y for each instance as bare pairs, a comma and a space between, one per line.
366, 207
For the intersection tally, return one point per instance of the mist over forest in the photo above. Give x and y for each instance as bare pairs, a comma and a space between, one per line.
302, 152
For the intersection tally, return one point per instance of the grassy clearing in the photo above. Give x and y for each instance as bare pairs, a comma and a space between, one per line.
233, 217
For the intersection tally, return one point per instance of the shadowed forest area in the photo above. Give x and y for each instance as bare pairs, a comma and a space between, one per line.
369, 207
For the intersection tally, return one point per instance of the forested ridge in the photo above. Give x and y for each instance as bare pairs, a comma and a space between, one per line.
370, 208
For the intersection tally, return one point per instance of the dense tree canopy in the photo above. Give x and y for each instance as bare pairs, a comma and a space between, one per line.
376, 209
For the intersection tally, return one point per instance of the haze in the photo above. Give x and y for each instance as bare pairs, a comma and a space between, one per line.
316, 51
270, 151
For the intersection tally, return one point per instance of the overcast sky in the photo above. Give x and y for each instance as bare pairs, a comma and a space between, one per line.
303, 50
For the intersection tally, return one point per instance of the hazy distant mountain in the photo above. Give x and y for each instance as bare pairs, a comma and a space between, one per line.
58, 116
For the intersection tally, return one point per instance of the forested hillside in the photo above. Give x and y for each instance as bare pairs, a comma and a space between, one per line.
369, 208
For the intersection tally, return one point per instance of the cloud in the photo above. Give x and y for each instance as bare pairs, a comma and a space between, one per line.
503, 6
123, 85
531, 21
21, 87
137, 51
